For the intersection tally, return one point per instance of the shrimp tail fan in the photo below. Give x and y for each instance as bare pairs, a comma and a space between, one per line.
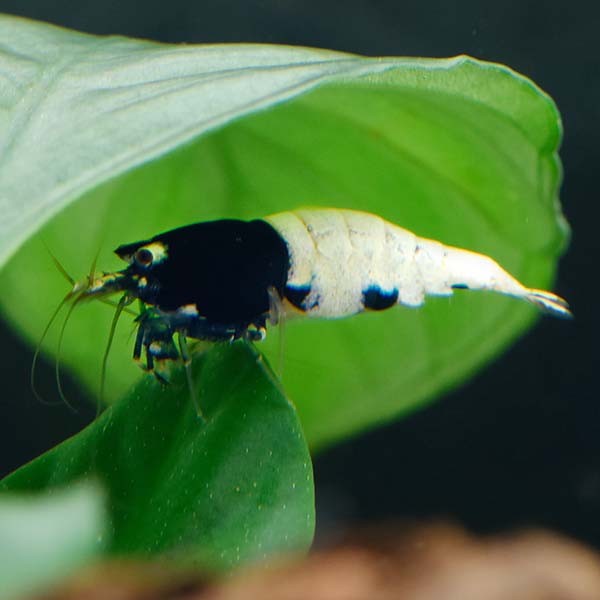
549, 303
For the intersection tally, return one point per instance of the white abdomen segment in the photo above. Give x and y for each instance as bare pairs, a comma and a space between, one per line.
344, 261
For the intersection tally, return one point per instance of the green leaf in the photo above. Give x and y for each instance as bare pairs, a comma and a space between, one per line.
158, 136
235, 489
45, 538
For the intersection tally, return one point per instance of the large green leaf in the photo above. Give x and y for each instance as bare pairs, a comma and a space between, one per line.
455, 149
235, 489
45, 538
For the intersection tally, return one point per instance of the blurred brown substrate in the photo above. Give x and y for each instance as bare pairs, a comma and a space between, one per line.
433, 562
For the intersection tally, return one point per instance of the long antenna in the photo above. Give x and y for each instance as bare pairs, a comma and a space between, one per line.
38, 349
76, 297
123, 302
59, 266
59, 349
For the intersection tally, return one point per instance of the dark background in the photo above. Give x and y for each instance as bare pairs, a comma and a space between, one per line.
520, 444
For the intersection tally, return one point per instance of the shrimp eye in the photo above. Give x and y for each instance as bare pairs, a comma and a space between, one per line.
144, 257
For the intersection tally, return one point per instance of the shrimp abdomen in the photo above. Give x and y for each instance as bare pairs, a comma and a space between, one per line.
344, 261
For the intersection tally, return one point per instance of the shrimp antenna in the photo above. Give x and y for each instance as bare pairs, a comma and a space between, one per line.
92, 271
61, 269
123, 302
120, 306
59, 349
38, 349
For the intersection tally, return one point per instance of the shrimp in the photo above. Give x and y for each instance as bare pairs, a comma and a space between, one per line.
227, 279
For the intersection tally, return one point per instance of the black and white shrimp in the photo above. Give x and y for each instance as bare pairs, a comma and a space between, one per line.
227, 279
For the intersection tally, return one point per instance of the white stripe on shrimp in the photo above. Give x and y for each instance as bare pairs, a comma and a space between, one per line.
345, 261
